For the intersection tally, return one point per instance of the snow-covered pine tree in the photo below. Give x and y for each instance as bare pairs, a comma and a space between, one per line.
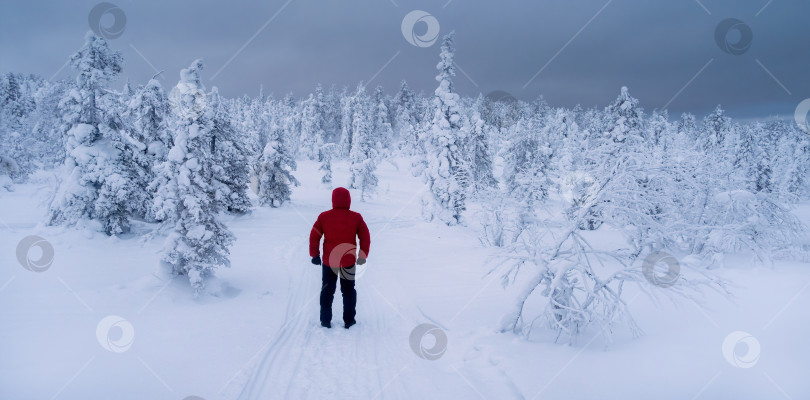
624, 122
147, 114
794, 150
716, 128
229, 151
277, 163
405, 120
527, 162
325, 155
445, 173
198, 243
290, 118
332, 116
347, 105
767, 160
256, 127
365, 151
10, 129
382, 132
47, 122
97, 183
659, 130
479, 154
17, 106
312, 124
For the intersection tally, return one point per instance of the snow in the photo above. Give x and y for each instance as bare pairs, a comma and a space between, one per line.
255, 334
82, 132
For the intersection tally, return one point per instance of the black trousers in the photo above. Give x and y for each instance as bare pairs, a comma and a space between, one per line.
329, 284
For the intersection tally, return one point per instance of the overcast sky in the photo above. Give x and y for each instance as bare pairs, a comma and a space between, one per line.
578, 51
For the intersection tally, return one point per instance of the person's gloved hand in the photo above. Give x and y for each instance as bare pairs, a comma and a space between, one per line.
361, 261
316, 260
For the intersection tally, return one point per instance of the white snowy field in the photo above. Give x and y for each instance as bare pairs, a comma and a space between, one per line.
256, 335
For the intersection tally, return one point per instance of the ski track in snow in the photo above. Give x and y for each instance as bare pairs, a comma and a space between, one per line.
258, 332
306, 361
373, 359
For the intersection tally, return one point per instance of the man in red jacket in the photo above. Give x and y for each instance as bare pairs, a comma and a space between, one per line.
340, 228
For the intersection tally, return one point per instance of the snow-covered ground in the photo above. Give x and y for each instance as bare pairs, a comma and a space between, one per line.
255, 335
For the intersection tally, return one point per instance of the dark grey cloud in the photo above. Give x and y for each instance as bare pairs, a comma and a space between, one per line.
653, 47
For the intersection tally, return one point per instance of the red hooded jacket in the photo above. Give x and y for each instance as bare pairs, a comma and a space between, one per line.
340, 228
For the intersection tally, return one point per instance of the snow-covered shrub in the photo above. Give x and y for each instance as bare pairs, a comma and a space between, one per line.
740, 220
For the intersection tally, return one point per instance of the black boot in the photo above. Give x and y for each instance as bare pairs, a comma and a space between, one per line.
326, 324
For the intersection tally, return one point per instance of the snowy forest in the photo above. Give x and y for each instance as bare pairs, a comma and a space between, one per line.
535, 177
602, 222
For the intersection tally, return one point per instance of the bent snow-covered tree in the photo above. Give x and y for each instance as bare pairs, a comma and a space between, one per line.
198, 243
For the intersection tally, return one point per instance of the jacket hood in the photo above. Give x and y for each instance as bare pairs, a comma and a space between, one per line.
341, 198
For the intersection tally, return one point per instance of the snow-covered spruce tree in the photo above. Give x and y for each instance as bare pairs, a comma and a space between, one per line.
794, 172
527, 163
623, 123
365, 150
10, 128
715, 131
17, 106
255, 125
405, 120
47, 123
382, 132
198, 243
229, 150
289, 116
445, 172
479, 157
97, 183
147, 114
659, 130
277, 163
347, 105
325, 155
312, 124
